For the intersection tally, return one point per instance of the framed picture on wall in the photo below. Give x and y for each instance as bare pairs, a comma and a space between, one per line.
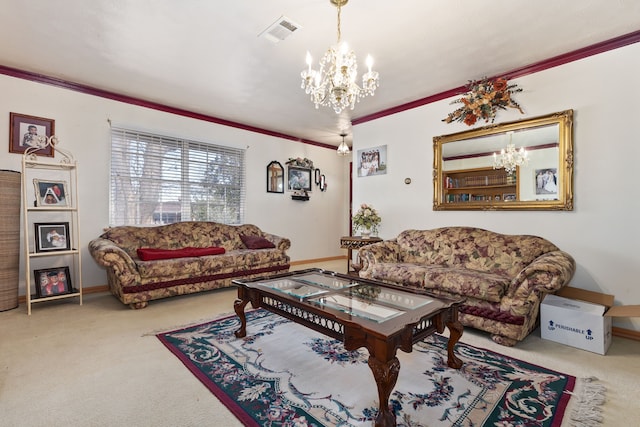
298, 178
53, 281
372, 161
26, 132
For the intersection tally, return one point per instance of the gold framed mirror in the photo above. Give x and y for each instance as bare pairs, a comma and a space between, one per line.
468, 173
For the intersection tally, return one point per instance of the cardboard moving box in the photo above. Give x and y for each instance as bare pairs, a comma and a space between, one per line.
581, 318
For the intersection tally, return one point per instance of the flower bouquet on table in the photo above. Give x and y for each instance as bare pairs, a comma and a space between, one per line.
366, 219
484, 98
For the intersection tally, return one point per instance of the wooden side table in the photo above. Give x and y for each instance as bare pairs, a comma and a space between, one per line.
352, 243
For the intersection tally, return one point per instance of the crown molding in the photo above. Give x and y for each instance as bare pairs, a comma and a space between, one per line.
575, 55
89, 90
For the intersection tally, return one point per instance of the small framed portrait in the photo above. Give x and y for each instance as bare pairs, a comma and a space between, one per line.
51, 193
509, 197
52, 236
53, 281
546, 181
27, 132
372, 161
299, 178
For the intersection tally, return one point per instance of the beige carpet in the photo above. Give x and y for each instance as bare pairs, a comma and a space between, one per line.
100, 364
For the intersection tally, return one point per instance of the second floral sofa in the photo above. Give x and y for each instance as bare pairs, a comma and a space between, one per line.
503, 278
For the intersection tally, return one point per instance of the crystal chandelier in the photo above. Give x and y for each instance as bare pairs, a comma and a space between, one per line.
511, 158
343, 148
334, 84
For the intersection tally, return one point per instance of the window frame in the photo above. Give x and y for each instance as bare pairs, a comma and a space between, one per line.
195, 181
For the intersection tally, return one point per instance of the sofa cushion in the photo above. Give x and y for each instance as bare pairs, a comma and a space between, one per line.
178, 235
179, 268
256, 242
150, 254
472, 248
230, 261
457, 281
481, 285
406, 273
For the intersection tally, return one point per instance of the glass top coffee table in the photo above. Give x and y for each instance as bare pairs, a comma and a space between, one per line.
361, 313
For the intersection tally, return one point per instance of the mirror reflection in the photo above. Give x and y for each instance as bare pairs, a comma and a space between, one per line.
275, 177
526, 164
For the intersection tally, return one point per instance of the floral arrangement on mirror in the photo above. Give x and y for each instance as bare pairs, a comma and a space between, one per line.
367, 219
483, 100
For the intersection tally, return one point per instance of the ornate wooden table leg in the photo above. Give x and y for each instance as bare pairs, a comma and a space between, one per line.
386, 375
455, 332
238, 307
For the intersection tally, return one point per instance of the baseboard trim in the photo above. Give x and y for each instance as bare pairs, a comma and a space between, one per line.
625, 333
311, 261
22, 299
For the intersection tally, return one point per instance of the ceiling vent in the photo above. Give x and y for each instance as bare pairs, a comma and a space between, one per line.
280, 30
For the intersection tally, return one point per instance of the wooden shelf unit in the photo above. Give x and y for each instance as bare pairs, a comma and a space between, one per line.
479, 185
66, 170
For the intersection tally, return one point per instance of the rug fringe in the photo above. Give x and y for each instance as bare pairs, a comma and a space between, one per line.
587, 411
187, 325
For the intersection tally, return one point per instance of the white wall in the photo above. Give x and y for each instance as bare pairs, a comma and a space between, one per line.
601, 232
82, 124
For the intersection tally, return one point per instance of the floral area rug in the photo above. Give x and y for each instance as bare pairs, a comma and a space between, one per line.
284, 374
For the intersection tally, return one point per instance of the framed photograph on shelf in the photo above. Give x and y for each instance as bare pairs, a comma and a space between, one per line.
52, 236
298, 178
51, 193
509, 197
53, 281
24, 132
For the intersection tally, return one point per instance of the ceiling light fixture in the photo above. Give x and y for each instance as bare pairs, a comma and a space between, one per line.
511, 158
334, 84
343, 148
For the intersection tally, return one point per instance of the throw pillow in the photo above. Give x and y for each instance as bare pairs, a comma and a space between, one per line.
256, 242
150, 254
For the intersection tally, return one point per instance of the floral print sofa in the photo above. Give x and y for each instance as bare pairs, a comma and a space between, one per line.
147, 263
502, 278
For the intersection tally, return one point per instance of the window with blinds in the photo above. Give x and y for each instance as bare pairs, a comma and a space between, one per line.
159, 180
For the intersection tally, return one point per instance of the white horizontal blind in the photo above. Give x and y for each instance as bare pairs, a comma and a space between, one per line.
158, 180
